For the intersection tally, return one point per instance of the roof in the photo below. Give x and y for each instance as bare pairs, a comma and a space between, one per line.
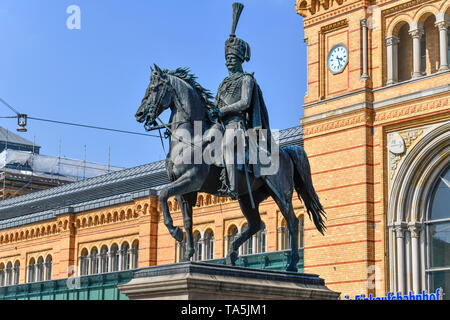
100, 191
11, 137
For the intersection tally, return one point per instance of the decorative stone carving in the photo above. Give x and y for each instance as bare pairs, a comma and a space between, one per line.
398, 145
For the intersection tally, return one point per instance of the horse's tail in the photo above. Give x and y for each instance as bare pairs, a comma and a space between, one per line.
304, 186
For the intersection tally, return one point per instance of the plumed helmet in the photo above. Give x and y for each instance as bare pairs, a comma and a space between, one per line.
233, 44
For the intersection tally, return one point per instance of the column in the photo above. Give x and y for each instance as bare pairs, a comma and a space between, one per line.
416, 32
442, 23
400, 236
392, 59
364, 31
255, 247
415, 230
202, 254
280, 233
110, 260
120, 258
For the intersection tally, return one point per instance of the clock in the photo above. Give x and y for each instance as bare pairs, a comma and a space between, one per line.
337, 58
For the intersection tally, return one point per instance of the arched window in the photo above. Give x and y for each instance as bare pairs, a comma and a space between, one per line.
40, 269
94, 261
125, 252
104, 259
84, 263
31, 271
2, 275
198, 247
16, 272
135, 254
261, 239
285, 241
438, 235
114, 258
209, 245
9, 274
430, 46
405, 50
48, 268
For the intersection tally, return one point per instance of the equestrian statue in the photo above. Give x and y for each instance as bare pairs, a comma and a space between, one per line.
205, 153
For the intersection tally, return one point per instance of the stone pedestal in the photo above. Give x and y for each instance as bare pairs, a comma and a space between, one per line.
203, 281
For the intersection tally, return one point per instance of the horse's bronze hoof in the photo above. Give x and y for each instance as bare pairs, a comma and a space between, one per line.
231, 258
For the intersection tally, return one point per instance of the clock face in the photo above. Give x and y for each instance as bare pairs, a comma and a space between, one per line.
337, 58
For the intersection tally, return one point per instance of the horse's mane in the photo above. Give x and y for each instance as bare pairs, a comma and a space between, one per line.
185, 75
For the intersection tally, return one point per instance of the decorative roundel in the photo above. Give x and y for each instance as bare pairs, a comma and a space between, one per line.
337, 58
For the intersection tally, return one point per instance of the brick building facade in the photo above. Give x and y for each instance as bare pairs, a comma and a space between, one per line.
394, 90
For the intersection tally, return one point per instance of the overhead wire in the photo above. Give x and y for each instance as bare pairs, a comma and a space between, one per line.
74, 124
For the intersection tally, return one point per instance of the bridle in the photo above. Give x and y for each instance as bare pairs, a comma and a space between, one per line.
167, 87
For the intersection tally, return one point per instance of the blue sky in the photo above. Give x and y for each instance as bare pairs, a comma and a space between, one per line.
98, 75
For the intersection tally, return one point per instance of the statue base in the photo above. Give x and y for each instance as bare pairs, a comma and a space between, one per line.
204, 281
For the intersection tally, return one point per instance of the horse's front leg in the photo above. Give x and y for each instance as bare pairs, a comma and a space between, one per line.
189, 182
175, 232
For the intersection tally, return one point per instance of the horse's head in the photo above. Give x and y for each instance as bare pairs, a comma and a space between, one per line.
157, 98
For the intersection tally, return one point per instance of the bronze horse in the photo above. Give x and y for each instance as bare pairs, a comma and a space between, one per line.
189, 102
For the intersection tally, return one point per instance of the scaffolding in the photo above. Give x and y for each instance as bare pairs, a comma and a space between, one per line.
24, 171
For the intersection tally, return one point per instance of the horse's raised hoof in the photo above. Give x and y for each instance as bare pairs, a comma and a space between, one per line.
177, 233
232, 258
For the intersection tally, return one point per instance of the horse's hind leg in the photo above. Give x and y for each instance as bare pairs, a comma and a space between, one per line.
186, 203
292, 223
254, 225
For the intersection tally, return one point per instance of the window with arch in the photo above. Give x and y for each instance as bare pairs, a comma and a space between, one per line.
31, 270
9, 274
40, 269
405, 50
104, 259
48, 267
261, 239
284, 234
84, 262
125, 252
94, 261
2, 275
135, 255
114, 258
438, 234
209, 245
429, 49
198, 246
16, 272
